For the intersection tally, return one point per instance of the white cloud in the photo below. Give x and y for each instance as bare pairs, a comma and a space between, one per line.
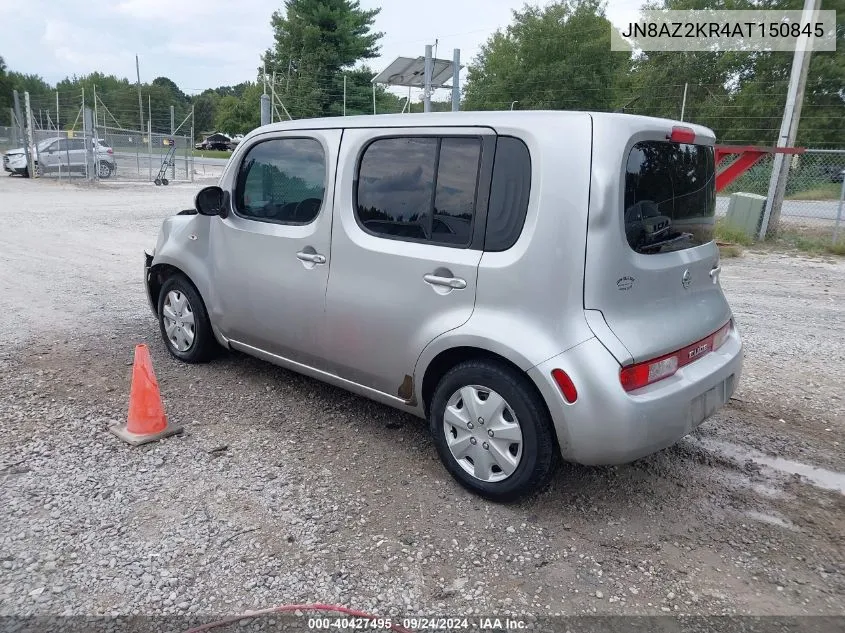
206, 43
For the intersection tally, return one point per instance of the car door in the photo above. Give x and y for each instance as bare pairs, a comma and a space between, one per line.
270, 256
49, 158
406, 243
75, 155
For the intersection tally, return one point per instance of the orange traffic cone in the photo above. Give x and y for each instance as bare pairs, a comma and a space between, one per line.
146, 421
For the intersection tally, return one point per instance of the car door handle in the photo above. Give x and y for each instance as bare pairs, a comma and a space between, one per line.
314, 258
450, 282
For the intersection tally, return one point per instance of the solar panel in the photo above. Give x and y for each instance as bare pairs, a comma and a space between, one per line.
410, 71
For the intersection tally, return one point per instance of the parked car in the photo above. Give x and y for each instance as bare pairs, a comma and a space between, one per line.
524, 321
60, 154
215, 141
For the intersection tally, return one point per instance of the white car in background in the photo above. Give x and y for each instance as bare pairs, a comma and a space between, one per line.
59, 154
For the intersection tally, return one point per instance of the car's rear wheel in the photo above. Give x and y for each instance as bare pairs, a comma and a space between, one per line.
492, 430
184, 322
104, 169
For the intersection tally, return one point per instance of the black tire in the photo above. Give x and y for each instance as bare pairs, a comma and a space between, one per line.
104, 167
204, 346
165, 181
157, 181
539, 452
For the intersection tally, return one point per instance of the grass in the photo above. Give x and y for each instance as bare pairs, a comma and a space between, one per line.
733, 236
811, 241
730, 250
211, 153
826, 191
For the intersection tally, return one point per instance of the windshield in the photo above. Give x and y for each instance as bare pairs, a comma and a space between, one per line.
670, 196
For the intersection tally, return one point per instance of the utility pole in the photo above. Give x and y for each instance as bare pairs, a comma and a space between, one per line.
140, 103
456, 88
427, 77
788, 126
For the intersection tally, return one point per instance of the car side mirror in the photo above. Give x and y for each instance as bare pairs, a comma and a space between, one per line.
211, 201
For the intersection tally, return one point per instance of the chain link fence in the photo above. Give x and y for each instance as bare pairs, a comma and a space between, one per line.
814, 189
156, 157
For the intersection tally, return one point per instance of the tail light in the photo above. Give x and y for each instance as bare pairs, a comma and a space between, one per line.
682, 134
642, 374
565, 384
110, 151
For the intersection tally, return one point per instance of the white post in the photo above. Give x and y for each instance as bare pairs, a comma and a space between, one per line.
789, 123
427, 85
374, 98
456, 88
684, 102
344, 94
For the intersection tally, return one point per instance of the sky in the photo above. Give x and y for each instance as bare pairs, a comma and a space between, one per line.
202, 44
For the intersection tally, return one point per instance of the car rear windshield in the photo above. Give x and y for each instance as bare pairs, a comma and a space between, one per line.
670, 196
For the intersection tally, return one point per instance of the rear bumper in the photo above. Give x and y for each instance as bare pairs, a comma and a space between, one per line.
607, 425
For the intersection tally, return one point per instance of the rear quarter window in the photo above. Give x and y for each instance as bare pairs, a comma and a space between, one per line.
670, 196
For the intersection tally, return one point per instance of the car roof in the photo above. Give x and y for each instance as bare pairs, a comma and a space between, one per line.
534, 119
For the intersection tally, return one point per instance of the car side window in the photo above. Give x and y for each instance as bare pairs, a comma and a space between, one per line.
419, 188
76, 144
59, 146
509, 192
282, 180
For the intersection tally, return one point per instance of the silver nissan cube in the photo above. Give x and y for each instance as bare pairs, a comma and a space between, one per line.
536, 285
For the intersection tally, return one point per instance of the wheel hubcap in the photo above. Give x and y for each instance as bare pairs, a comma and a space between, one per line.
482, 433
178, 318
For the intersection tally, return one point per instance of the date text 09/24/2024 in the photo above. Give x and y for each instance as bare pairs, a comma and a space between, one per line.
417, 624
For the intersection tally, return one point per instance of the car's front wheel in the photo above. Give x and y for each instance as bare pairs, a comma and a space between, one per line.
184, 322
492, 430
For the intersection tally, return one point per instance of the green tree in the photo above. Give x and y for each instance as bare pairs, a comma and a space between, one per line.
742, 95
314, 41
555, 57
205, 111
239, 115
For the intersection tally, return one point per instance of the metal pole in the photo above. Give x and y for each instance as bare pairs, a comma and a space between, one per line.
95, 103
839, 212
273, 101
266, 114
88, 136
150, 146
456, 87
22, 127
427, 86
58, 125
788, 126
140, 103
30, 137
513, 103
374, 98
173, 140
344, 94
192, 143
684, 102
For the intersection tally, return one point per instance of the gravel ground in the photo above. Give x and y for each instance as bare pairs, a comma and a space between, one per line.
283, 489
